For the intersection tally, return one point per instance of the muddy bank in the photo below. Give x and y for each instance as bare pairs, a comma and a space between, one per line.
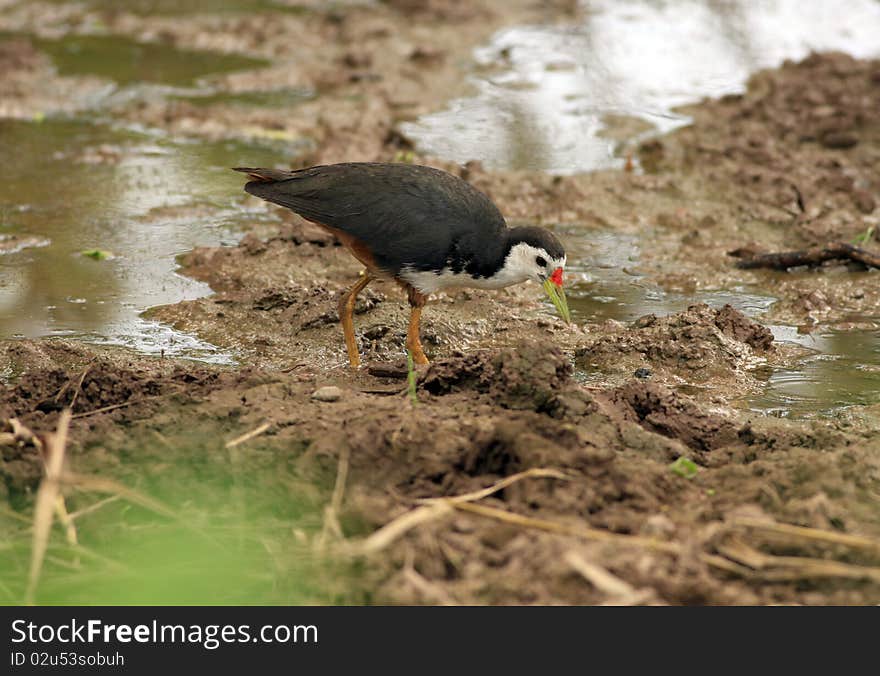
479, 418
350, 72
640, 456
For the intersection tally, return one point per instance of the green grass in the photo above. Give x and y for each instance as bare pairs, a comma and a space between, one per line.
684, 467
411, 378
239, 529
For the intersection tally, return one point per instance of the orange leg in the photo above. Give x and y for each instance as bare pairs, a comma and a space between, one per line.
346, 316
413, 342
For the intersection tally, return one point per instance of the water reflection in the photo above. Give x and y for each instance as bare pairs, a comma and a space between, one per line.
141, 197
125, 60
843, 372
604, 283
546, 107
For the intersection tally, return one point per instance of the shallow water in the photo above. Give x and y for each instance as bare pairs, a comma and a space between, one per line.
604, 283
172, 7
138, 196
543, 93
125, 61
844, 371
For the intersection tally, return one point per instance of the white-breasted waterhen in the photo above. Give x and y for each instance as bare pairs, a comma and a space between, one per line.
422, 227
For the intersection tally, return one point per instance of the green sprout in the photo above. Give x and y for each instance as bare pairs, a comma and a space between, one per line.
97, 254
411, 378
684, 467
557, 297
864, 237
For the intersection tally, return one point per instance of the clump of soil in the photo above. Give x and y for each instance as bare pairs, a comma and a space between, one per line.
659, 409
533, 377
698, 345
105, 385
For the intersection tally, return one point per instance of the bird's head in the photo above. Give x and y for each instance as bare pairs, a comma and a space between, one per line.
535, 253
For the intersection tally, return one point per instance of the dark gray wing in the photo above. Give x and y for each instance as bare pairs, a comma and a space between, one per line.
407, 215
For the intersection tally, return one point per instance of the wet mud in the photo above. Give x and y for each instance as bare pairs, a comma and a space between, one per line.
642, 455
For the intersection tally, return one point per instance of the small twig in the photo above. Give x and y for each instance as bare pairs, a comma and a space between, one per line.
783, 260
799, 197
94, 507
79, 386
113, 407
247, 436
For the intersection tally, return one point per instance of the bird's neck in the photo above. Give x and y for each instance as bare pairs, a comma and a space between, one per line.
510, 266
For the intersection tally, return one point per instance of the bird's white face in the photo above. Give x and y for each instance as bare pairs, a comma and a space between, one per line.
525, 261
530, 262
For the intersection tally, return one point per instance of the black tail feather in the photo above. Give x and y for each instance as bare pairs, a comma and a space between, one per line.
264, 175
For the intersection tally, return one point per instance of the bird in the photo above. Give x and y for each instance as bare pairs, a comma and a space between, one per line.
424, 228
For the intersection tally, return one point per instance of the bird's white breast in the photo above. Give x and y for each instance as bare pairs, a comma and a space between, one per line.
431, 282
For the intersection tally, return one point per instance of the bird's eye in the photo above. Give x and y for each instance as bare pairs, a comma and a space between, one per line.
540, 261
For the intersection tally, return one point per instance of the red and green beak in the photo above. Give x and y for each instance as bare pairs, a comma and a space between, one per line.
553, 289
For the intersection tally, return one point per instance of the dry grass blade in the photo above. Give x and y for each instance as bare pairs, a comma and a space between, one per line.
535, 472
47, 499
434, 508
582, 532
102, 485
94, 507
65, 520
113, 407
790, 568
247, 436
23, 434
619, 592
597, 576
811, 534
434, 594
6, 511
737, 550
395, 529
331, 513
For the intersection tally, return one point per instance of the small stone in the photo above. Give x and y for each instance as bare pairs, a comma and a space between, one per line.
252, 244
658, 525
864, 201
839, 140
642, 372
328, 393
